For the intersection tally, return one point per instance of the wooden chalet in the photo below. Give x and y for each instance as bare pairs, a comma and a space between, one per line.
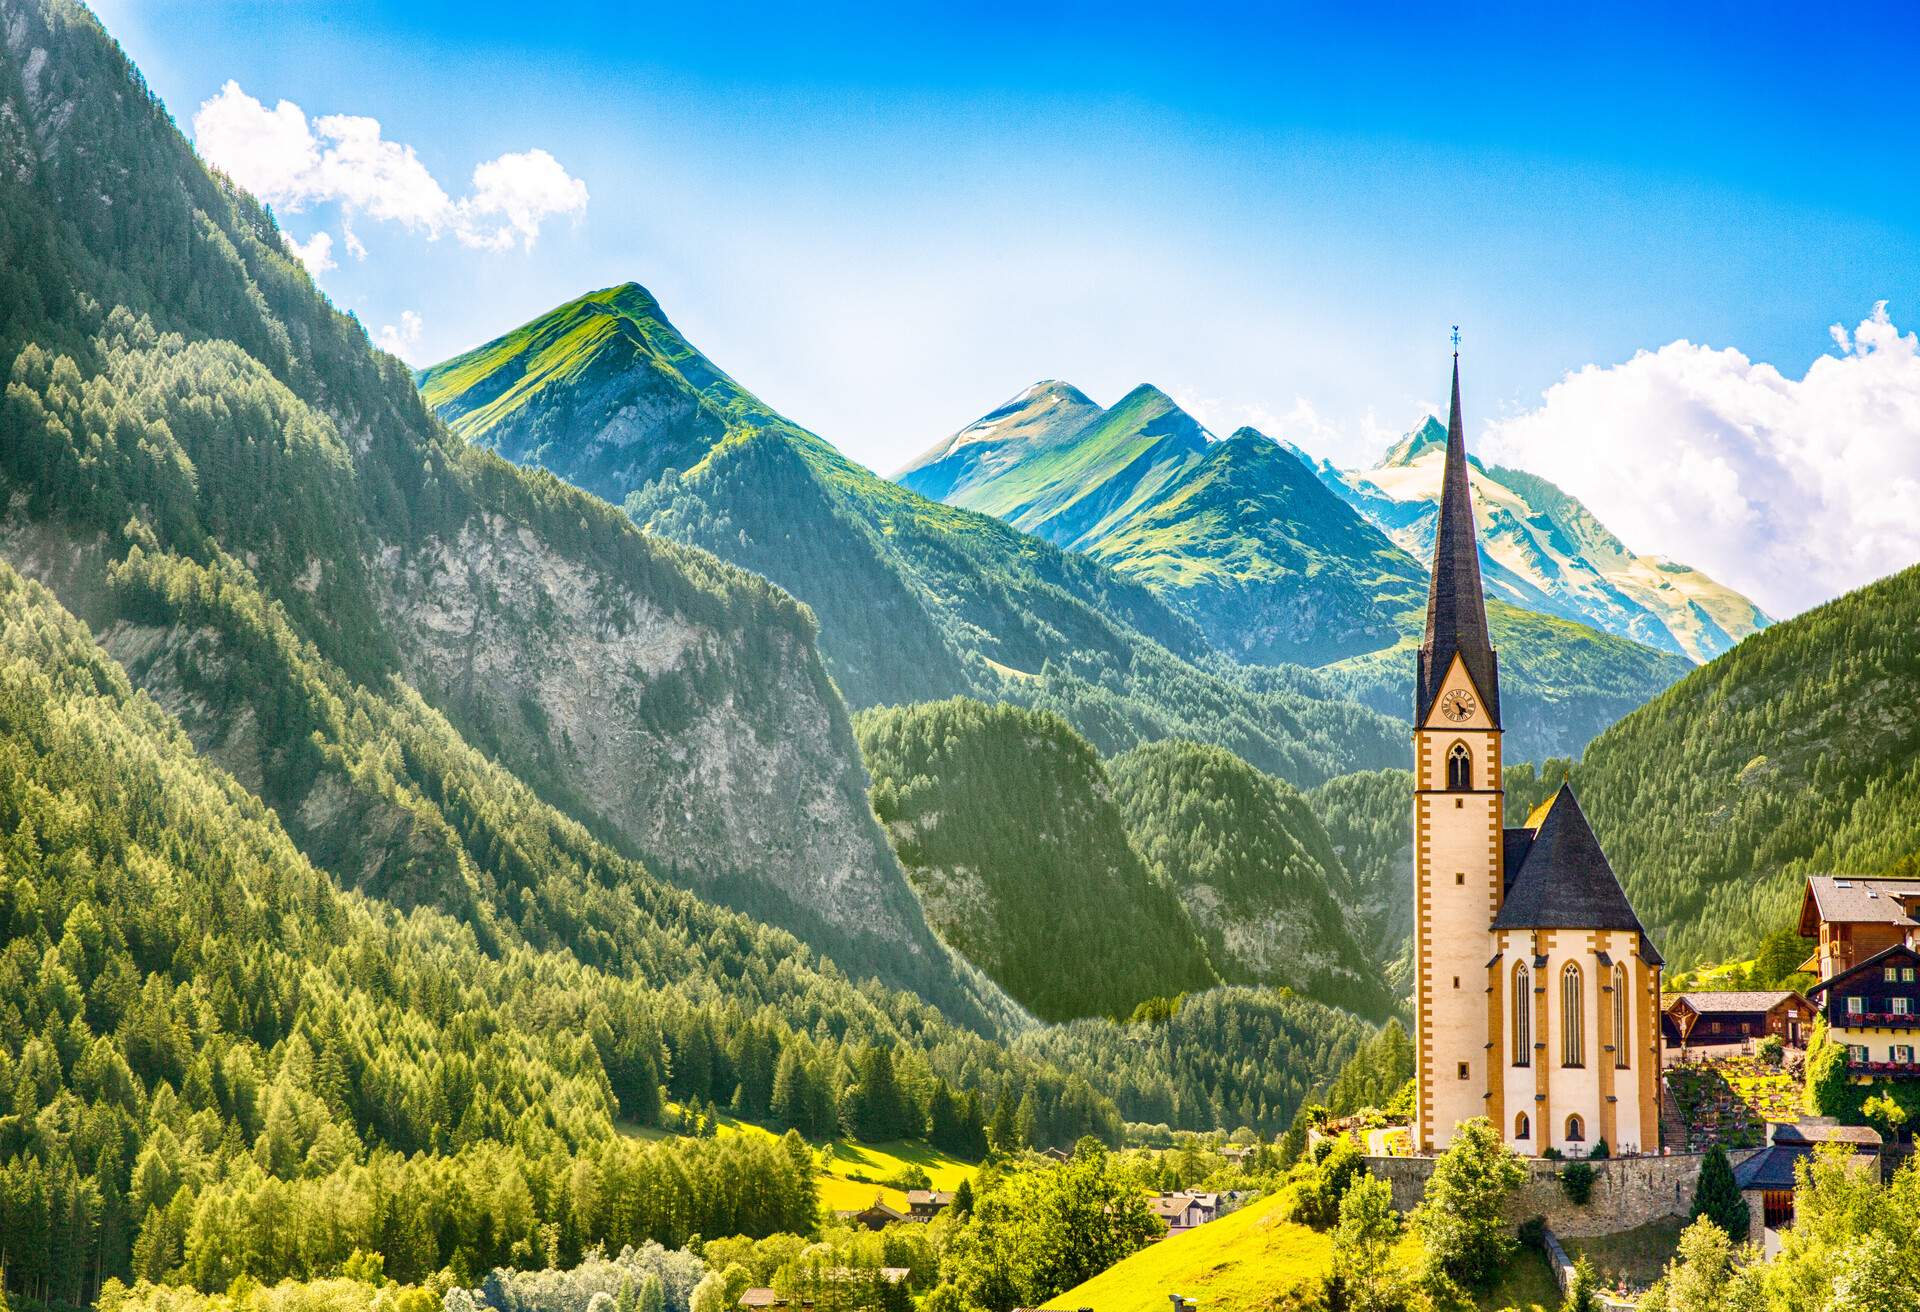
1712, 1020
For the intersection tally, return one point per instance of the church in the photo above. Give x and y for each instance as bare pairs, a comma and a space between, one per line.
1537, 989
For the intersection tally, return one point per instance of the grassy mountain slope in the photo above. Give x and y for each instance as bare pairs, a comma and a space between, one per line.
916, 600
178, 390
1543, 550
1247, 540
1058, 908
1797, 752
1253, 866
1271, 565
1046, 412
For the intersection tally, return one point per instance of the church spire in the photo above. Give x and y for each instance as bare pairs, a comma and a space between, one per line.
1456, 612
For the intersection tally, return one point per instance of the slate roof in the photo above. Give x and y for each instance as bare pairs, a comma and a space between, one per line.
1772, 1168
1456, 610
1515, 843
1566, 882
1840, 899
1721, 1003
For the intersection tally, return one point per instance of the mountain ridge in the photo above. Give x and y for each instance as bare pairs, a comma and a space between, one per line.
916, 600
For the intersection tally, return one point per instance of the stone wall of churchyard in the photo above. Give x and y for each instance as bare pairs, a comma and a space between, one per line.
1627, 1191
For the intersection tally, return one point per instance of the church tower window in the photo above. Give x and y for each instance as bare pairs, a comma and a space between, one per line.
1621, 1044
1522, 1017
1522, 1128
1459, 768
1576, 1130
1572, 1040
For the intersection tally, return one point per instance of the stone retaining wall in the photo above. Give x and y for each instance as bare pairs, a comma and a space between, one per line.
1627, 1191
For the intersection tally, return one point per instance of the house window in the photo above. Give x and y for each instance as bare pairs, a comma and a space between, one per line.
1459, 768
1572, 1035
1522, 1127
1855, 1006
1576, 1130
1902, 1006
1621, 1046
1903, 1053
1893, 974
1856, 1053
1522, 1019
1906, 974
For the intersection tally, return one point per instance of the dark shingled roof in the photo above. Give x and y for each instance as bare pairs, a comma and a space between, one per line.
1456, 611
1565, 881
1721, 1003
1772, 1168
1871, 963
1515, 844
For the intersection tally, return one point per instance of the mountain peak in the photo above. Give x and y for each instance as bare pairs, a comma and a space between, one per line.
1430, 435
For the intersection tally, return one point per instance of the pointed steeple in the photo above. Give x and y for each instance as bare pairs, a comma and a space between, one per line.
1456, 611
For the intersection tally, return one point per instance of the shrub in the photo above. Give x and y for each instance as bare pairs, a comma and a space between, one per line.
1771, 1049
1533, 1233
1577, 1180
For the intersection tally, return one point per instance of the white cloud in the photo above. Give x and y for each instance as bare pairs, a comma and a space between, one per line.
402, 341
1793, 491
316, 253
518, 192
345, 160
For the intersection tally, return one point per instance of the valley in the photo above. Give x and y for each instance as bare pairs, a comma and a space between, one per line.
544, 831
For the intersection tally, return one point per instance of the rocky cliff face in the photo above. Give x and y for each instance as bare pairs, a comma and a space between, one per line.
738, 777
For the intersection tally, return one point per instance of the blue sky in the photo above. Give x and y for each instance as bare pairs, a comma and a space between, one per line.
886, 220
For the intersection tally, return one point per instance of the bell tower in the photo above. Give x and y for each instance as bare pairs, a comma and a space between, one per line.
1458, 819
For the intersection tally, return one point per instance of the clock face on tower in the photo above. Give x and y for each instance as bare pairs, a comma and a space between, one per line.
1457, 705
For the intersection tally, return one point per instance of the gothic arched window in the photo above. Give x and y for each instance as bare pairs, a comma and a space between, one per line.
1522, 1017
1576, 1129
1459, 768
1621, 1044
1522, 1129
1572, 1040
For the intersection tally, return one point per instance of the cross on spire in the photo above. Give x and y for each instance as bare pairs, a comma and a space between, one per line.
1456, 341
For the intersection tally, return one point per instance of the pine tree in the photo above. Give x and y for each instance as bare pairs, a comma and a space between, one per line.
1583, 1289
1718, 1199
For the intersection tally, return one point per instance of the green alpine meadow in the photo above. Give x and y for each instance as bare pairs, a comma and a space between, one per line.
530, 783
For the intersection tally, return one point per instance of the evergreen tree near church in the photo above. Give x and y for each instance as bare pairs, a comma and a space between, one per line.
1718, 1197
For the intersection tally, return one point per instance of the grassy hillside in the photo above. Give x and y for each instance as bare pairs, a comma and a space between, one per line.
1797, 752
915, 600
1249, 1261
1254, 868
1006, 823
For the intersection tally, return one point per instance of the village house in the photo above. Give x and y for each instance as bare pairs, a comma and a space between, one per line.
1874, 1009
1181, 1212
1768, 1179
1868, 959
1852, 919
876, 1215
1716, 1020
925, 1204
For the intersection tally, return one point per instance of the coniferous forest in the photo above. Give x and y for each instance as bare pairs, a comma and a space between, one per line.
426, 884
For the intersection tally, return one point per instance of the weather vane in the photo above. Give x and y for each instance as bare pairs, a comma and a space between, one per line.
1456, 339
